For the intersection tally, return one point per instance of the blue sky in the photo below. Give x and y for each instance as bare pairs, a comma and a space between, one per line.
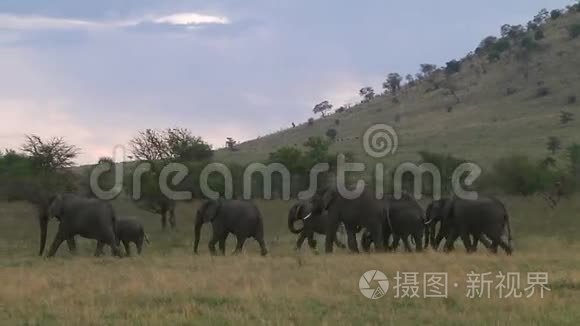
95, 72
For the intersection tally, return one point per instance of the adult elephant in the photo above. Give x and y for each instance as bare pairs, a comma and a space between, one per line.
363, 211
434, 216
464, 218
405, 221
311, 224
241, 218
89, 218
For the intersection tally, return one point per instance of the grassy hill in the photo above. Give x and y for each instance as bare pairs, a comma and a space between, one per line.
487, 124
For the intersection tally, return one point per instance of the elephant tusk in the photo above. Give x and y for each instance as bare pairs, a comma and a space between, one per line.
428, 222
306, 217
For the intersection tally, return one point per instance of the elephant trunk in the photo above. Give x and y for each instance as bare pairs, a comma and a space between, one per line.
43, 222
292, 219
197, 232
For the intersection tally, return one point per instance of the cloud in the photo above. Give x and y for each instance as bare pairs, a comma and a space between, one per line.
36, 22
191, 19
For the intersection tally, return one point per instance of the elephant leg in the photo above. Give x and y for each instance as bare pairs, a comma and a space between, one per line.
58, 239
330, 237
72, 245
485, 241
139, 245
396, 242
311, 241
172, 220
418, 237
407, 244
451, 237
211, 245
262, 244
239, 245
366, 241
386, 237
99, 249
352, 244
127, 246
496, 241
163, 219
467, 242
506, 247
112, 242
476, 238
300, 241
339, 244
222, 246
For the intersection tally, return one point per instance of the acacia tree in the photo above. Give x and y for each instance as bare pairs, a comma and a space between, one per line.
393, 83
230, 143
368, 93
322, 108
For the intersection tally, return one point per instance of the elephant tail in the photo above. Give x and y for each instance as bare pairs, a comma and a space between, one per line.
509, 229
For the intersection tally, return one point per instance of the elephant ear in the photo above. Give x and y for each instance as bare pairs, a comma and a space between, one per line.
212, 208
328, 198
55, 206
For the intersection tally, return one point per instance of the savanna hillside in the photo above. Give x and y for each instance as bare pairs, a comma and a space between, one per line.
496, 111
508, 98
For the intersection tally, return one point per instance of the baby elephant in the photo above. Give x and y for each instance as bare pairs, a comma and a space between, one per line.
130, 230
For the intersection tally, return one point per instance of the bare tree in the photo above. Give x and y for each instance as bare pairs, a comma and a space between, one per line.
51, 154
173, 144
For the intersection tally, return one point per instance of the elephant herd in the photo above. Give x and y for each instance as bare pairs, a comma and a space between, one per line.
389, 221
384, 223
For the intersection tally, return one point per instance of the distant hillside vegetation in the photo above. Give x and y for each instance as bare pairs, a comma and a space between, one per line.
506, 97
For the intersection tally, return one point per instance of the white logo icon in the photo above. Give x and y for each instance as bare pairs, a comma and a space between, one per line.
364, 284
380, 140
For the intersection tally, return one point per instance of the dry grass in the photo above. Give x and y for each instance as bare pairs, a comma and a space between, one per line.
169, 285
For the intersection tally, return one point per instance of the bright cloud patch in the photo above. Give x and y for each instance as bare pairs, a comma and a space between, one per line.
190, 19
35, 22
32, 22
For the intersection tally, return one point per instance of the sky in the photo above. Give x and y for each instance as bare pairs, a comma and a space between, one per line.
97, 72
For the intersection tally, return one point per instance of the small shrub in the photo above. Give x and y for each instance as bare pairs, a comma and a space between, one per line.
542, 92
340, 109
539, 35
395, 100
331, 133
337, 122
566, 117
517, 175
510, 91
574, 30
397, 117
572, 99
555, 14
528, 43
310, 121
493, 57
449, 109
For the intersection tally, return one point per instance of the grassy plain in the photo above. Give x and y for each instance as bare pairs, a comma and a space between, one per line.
170, 286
